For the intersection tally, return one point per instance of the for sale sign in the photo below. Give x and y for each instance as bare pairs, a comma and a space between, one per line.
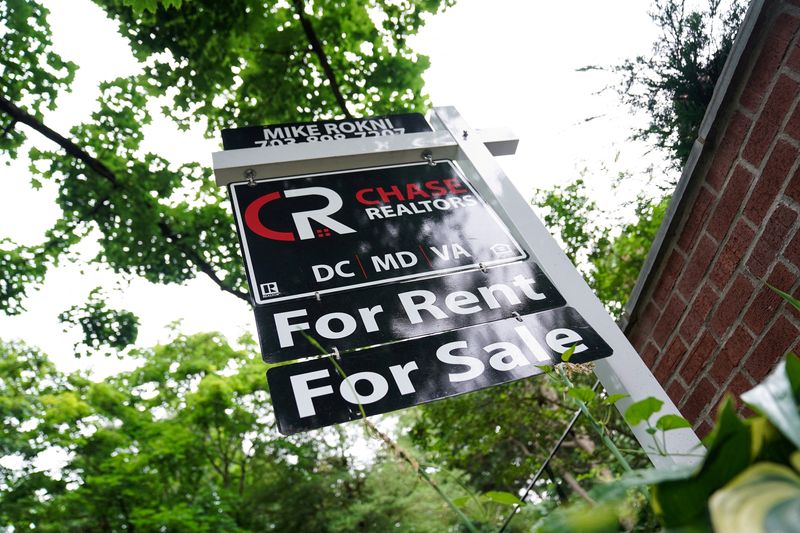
313, 394
317, 234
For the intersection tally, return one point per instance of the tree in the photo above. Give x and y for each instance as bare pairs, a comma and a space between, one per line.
215, 64
674, 85
187, 442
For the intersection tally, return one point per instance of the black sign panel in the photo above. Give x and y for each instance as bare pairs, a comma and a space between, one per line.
323, 130
325, 233
312, 394
375, 315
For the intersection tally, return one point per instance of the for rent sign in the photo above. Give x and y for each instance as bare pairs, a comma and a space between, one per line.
313, 394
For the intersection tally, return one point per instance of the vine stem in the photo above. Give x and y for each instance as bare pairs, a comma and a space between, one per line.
398, 451
612, 447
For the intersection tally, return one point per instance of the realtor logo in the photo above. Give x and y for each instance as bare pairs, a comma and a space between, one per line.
269, 289
302, 219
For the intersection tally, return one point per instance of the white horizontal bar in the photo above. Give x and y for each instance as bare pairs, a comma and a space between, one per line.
345, 154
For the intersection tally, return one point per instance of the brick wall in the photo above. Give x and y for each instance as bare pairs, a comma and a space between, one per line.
707, 324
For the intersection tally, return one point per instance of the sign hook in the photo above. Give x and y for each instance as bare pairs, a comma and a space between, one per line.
250, 174
427, 155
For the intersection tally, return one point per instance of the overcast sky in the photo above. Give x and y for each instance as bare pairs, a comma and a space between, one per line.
501, 63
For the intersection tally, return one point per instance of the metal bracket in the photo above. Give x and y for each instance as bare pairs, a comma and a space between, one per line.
250, 176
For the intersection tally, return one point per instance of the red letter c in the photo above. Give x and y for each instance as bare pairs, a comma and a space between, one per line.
255, 225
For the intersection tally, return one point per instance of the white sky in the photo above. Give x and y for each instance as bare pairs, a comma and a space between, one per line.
501, 63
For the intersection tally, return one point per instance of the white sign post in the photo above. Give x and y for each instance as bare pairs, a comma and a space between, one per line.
474, 150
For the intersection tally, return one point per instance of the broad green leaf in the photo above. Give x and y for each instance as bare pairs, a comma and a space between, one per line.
642, 410
763, 498
667, 422
775, 398
786, 296
584, 394
461, 501
567, 355
793, 373
614, 398
504, 498
683, 502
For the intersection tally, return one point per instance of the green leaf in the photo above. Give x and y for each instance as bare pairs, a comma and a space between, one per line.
765, 497
461, 501
793, 373
614, 398
667, 422
775, 398
786, 296
566, 356
584, 394
503, 498
684, 502
640, 411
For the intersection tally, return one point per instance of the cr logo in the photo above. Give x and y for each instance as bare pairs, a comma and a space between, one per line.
302, 219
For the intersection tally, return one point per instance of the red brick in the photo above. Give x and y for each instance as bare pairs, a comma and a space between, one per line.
775, 174
731, 354
771, 241
766, 303
649, 354
731, 255
793, 189
699, 356
739, 385
778, 105
792, 127
669, 275
703, 429
698, 313
768, 61
701, 396
668, 320
735, 301
640, 333
696, 266
794, 59
694, 222
776, 342
730, 201
793, 251
670, 360
725, 153
676, 392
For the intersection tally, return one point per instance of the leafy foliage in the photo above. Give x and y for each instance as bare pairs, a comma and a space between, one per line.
610, 259
748, 481
30, 70
674, 85
247, 62
101, 326
185, 442
203, 62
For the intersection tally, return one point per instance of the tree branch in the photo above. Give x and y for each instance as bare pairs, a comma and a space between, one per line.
316, 46
22, 116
